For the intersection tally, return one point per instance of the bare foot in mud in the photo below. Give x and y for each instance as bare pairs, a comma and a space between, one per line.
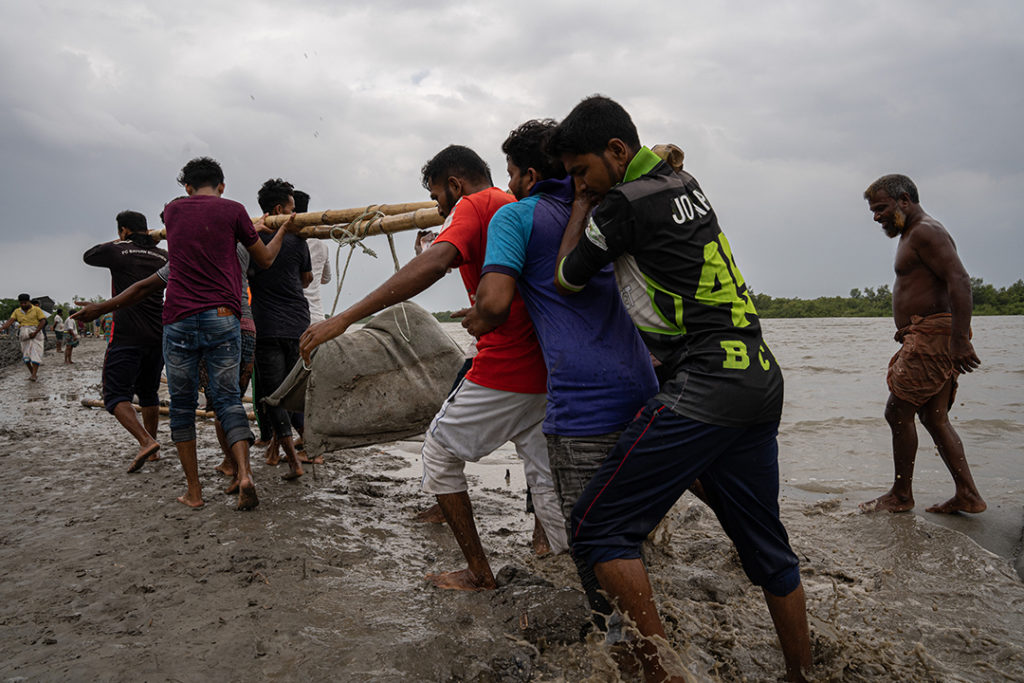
960, 503
890, 502
154, 457
294, 470
432, 515
306, 460
247, 499
191, 502
273, 454
145, 453
227, 468
233, 486
462, 580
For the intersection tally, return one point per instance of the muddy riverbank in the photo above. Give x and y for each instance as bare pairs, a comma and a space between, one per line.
106, 577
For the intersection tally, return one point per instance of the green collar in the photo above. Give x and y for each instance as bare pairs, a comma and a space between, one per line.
641, 164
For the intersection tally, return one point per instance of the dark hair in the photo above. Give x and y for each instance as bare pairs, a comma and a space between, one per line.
894, 185
133, 221
590, 125
184, 196
24, 297
273, 192
301, 201
526, 146
201, 172
458, 161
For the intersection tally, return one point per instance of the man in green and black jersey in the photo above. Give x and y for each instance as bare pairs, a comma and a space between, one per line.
716, 417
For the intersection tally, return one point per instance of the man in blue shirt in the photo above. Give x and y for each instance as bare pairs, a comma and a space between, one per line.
599, 371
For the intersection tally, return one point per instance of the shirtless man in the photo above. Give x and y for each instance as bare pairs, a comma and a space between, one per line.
931, 304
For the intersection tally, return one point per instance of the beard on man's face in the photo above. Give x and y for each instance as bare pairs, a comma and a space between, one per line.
899, 220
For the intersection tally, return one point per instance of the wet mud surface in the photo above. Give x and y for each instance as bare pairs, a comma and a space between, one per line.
106, 577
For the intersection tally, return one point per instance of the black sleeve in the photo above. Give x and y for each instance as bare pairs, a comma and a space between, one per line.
608, 236
99, 256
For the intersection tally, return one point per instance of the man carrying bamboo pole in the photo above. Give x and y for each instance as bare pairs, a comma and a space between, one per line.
201, 317
281, 314
503, 395
134, 358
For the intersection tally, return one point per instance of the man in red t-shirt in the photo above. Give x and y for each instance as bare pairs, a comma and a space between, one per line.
502, 397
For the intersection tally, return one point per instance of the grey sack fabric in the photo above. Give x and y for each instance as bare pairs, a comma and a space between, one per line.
380, 383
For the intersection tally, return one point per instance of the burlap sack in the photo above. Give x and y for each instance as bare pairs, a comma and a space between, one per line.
380, 383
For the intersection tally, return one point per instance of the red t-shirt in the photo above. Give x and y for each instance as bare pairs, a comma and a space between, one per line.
508, 358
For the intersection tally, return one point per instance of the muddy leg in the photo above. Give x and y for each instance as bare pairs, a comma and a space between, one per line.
900, 498
294, 468
627, 583
458, 512
148, 446
227, 465
935, 418
150, 420
187, 455
789, 614
247, 499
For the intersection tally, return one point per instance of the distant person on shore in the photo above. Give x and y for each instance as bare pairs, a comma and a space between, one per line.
717, 415
46, 321
931, 305
30, 319
134, 360
502, 397
586, 409
71, 337
201, 317
58, 329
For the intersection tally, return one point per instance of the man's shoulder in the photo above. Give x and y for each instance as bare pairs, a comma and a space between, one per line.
487, 202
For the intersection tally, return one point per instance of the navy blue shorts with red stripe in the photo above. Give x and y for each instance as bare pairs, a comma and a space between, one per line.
656, 460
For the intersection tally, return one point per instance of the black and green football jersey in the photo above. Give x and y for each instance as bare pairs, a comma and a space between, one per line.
679, 282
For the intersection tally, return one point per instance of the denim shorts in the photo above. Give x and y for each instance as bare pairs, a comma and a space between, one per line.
214, 339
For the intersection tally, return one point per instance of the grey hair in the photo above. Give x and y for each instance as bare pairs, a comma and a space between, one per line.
894, 185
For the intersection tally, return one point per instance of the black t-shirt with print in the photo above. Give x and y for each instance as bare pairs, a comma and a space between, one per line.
680, 283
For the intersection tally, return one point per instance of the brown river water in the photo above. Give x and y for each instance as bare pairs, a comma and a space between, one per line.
106, 577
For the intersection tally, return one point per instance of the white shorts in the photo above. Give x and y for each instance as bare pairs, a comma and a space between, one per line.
473, 422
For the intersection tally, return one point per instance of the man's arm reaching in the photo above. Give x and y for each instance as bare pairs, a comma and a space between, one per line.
263, 255
129, 297
414, 277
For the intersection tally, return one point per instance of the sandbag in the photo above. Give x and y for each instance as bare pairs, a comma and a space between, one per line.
383, 382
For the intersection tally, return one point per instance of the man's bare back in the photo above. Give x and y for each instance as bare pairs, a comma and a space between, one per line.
931, 303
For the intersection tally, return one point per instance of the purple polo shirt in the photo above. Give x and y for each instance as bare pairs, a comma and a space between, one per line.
201, 235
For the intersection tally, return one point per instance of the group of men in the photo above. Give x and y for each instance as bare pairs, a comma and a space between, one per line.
610, 272
618, 349
234, 306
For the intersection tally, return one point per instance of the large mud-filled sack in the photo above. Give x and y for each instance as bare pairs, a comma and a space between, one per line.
383, 382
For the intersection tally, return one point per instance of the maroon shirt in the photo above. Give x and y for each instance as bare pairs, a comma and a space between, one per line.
201, 235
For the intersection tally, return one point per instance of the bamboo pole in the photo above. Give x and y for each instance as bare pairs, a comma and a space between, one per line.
364, 222
414, 216
340, 216
164, 410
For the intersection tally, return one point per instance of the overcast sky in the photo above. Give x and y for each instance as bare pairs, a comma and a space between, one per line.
786, 111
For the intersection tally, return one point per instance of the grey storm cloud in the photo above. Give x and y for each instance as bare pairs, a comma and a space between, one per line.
786, 112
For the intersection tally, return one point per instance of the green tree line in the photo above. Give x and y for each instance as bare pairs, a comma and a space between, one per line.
871, 303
